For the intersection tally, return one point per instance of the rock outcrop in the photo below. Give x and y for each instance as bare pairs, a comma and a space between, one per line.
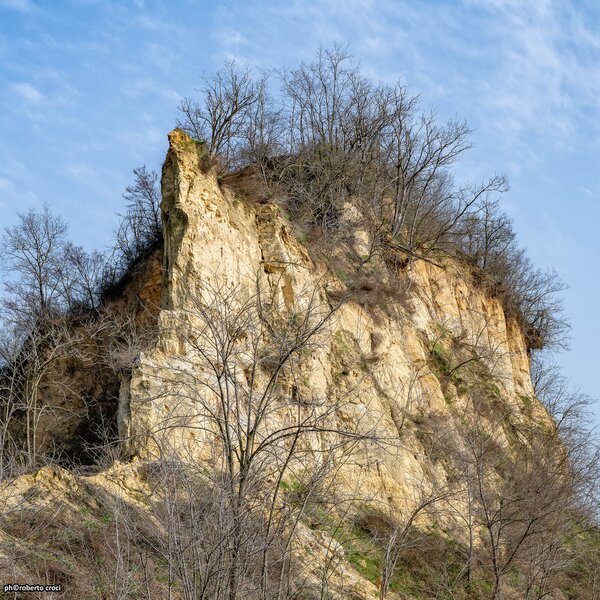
409, 347
386, 351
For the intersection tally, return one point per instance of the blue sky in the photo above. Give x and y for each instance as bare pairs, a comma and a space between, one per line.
88, 91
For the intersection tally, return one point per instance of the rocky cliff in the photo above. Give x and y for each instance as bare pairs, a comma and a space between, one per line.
412, 353
403, 339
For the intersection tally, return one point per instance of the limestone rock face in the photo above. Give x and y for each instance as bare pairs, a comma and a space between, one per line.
417, 351
406, 358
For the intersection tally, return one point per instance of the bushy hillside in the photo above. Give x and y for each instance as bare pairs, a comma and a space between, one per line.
318, 378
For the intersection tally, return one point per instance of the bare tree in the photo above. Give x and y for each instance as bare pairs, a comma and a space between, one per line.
489, 238
420, 154
261, 131
219, 120
524, 486
141, 225
239, 389
335, 123
32, 367
535, 296
525, 513
50, 275
81, 278
398, 535
32, 251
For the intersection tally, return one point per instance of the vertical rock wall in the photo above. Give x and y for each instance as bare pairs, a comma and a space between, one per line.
387, 353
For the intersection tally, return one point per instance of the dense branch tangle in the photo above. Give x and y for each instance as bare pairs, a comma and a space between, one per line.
330, 136
240, 386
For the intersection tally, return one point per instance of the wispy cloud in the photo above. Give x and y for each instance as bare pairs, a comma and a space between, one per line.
6, 185
521, 67
24, 6
534, 67
28, 92
145, 87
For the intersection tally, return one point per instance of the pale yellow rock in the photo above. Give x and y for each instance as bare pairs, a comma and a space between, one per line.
214, 240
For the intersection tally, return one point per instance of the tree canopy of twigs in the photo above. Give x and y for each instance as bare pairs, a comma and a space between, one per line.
322, 134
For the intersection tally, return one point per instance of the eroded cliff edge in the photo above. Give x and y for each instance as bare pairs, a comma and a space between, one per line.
417, 350
403, 353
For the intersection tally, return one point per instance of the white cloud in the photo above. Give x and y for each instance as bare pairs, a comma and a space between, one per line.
28, 92
140, 139
544, 73
143, 87
25, 6
6, 185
